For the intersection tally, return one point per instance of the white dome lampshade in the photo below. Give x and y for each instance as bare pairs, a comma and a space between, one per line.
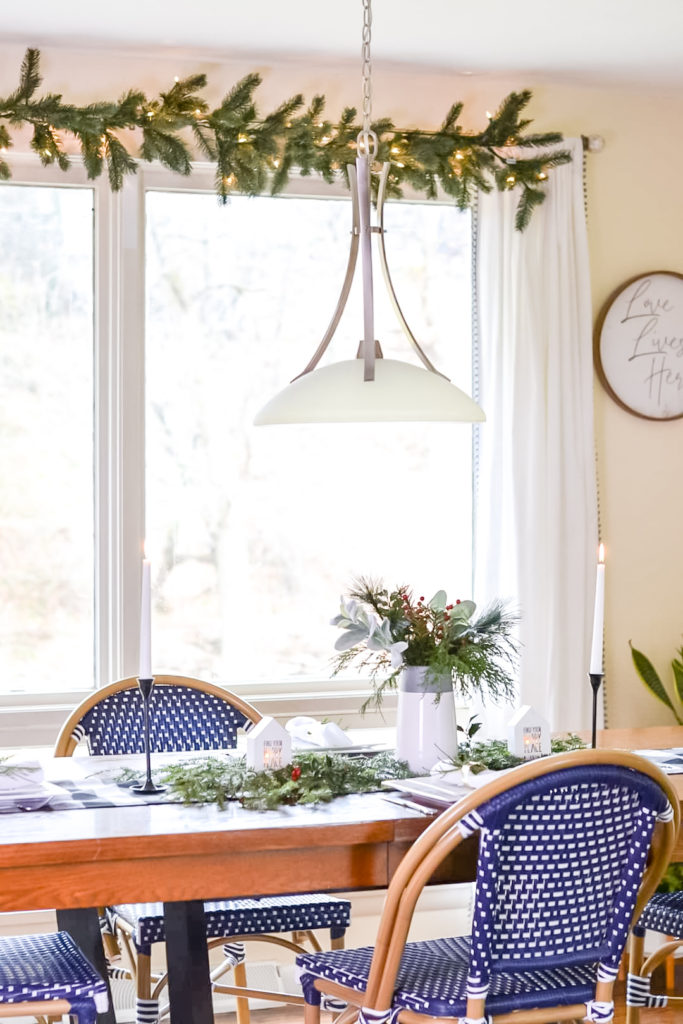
368, 388
400, 391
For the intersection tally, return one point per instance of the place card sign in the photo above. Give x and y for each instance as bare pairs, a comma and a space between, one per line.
638, 345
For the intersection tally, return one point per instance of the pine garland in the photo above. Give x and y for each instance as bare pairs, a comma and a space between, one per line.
494, 755
255, 153
311, 778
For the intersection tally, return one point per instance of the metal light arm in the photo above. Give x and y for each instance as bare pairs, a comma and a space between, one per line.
363, 169
381, 196
361, 236
348, 278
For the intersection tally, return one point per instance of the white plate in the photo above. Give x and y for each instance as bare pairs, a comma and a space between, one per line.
429, 790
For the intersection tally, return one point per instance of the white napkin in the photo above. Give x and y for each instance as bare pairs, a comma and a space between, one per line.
22, 787
309, 733
464, 776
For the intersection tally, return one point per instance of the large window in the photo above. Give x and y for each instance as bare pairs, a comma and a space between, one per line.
254, 532
141, 429
46, 439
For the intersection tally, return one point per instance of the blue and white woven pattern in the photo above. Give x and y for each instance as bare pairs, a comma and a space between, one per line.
638, 992
181, 718
269, 914
433, 975
560, 863
37, 967
561, 859
664, 913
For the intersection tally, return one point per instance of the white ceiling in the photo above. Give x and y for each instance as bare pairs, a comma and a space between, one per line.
638, 40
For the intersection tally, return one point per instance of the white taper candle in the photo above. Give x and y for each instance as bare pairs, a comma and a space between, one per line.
145, 671
598, 615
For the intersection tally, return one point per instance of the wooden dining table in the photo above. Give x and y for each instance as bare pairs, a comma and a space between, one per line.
77, 860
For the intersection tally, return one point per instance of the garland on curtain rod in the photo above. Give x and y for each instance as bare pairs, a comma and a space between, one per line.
255, 153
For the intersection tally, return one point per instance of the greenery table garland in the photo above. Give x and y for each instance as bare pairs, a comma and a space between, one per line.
254, 153
313, 777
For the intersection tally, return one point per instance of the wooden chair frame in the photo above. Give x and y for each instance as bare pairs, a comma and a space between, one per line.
66, 744
140, 963
442, 837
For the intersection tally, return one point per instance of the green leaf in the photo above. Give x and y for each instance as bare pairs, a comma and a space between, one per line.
438, 602
677, 666
648, 674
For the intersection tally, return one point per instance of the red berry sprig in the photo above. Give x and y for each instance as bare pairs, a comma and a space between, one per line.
296, 773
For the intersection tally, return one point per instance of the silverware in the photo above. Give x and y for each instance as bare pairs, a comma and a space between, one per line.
411, 805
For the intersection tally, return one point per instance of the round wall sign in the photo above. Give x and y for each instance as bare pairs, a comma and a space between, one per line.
638, 345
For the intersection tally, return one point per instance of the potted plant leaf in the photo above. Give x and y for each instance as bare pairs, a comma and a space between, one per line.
650, 677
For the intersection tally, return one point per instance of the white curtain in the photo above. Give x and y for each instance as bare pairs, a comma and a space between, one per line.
536, 525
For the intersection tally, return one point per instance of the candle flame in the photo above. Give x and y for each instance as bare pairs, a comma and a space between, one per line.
601, 554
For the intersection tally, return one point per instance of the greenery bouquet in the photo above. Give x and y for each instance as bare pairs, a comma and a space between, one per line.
390, 630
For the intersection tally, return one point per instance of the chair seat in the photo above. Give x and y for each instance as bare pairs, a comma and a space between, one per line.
36, 967
264, 915
664, 913
432, 979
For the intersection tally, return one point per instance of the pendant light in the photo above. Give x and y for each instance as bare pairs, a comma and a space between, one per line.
369, 387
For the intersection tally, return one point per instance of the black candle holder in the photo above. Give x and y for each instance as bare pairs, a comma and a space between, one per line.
148, 786
596, 682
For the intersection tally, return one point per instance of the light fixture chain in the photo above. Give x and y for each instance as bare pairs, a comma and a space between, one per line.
367, 65
367, 140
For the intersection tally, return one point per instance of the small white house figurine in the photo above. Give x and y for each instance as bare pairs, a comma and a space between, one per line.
269, 745
528, 734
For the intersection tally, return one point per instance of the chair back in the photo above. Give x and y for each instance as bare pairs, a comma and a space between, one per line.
566, 853
560, 863
185, 714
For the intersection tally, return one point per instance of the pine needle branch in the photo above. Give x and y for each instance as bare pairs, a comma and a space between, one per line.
254, 153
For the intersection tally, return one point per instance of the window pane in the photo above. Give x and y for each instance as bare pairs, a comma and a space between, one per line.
254, 532
46, 426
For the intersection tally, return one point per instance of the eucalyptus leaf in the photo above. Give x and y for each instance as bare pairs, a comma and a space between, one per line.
464, 610
439, 601
349, 638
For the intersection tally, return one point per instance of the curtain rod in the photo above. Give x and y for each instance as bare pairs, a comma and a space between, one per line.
592, 143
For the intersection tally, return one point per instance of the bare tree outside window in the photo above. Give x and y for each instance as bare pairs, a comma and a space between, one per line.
254, 532
46, 439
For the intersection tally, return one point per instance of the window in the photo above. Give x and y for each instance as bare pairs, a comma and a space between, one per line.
46, 426
254, 532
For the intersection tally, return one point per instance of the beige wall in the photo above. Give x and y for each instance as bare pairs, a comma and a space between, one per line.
635, 217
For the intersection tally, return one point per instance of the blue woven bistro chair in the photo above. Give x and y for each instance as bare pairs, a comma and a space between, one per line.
663, 914
189, 714
563, 847
48, 975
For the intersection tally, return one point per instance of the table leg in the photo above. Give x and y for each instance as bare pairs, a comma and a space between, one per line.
84, 928
189, 986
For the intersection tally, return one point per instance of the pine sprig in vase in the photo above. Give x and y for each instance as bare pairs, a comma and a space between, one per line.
389, 630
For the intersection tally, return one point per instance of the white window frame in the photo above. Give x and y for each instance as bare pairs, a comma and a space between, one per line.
119, 423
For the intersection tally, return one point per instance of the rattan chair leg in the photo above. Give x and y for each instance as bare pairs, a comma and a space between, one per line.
242, 1004
635, 964
670, 971
143, 976
311, 1014
337, 943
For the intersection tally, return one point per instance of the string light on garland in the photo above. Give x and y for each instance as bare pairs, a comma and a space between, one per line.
254, 154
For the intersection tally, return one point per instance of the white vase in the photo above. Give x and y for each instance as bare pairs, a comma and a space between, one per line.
426, 730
